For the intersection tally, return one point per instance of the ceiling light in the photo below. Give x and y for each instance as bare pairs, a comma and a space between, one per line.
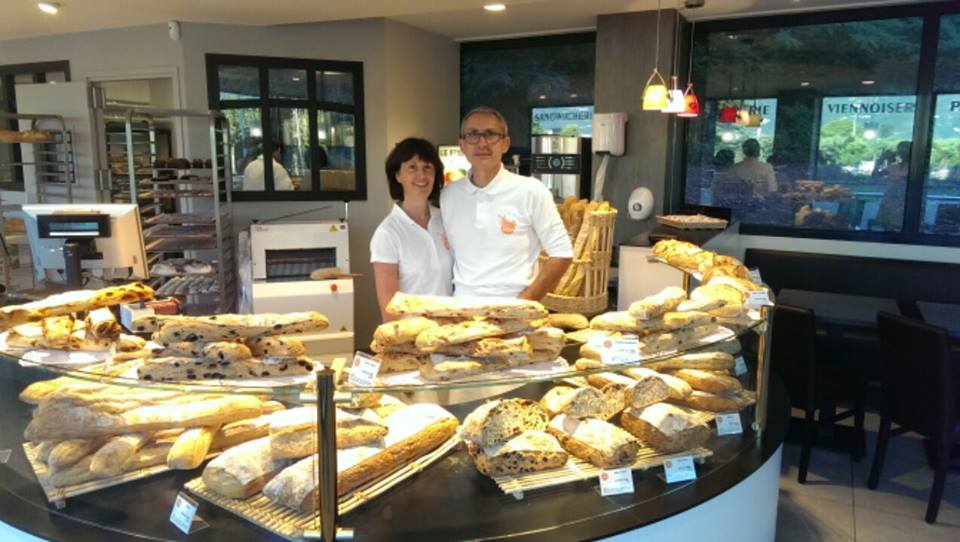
495, 7
543, 96
869, 134
867, 82
574, 95
295, 78
804, 83
50, 8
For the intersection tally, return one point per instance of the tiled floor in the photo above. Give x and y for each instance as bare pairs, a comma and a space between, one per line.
835, 504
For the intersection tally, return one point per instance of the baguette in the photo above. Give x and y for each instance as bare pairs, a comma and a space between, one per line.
44, 448
191, 447
530, 451
602, 444
68, 452
112, 458
464, 307
233, 433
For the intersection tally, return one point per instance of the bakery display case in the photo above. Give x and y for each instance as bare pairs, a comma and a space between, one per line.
466, 418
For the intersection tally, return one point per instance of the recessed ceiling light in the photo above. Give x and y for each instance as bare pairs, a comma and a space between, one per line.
295, 78
543, 96
50, 8
495, 7
804, 83
867, 82
574, 95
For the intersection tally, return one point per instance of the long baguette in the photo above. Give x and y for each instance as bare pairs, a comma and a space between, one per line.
191, 447
112, 457
68, 452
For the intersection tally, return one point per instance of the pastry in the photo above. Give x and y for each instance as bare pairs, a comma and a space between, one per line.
71, 302
444, 369
174, 368
102, 324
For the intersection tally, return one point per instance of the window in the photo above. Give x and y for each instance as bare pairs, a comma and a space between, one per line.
296, 126
808, 121
11, 176
941, 189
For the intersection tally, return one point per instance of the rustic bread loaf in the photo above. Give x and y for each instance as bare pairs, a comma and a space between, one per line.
678, 389
433, 339
576, 402
602, 444
465, 307
665, 428
706, 381
566, 320
713, 361
403, 331
530, 451
74, 301
243, 470
656, 305
226, 327
282, 347
498, 421
293, 433
713, 402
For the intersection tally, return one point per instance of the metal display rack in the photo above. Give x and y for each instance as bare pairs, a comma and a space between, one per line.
185, 211
54, 160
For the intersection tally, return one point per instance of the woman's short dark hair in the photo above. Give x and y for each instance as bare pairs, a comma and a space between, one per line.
404, 151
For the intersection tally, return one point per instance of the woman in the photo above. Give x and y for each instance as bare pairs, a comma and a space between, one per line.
409, 251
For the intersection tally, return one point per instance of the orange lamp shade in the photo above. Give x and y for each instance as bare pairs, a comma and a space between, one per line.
691, 104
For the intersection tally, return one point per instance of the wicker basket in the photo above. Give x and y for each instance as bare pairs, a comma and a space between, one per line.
588, 273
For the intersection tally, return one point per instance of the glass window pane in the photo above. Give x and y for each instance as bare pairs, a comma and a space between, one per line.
56, 77
246, 140
335, 87
23, 79
239, 82
941, 191
335, 131
829, 135
948, 55
288, 84
291, 149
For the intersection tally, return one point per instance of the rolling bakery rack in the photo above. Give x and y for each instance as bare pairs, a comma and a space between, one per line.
185, 205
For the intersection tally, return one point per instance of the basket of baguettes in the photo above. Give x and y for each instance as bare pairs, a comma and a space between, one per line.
452, 338
583, 288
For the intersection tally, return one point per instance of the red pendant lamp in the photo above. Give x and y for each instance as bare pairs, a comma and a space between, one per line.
728, 114
691, 104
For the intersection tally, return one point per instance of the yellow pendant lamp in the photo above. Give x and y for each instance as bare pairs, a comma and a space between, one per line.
655, 91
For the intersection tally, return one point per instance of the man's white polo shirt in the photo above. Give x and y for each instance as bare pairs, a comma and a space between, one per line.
496, 233
425, 263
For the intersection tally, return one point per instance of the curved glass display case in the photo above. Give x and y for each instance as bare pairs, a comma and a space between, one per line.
99, 452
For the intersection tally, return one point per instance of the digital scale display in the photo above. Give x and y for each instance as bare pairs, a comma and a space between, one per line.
72, 226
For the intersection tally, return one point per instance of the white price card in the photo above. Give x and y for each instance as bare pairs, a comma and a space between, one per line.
363, 371
680, 469
755, 276
616, 482
184, 510
616, 351
758, 298
739, 366
728, 423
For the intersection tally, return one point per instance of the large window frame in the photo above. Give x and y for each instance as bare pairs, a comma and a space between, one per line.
38, 72
265, 103
911, 233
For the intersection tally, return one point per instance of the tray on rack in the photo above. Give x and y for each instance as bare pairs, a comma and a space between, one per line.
692, 222
576, 470
180, 230
174, 244
291, 524
180, 218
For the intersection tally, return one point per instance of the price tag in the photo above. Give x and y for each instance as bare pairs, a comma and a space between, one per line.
757, 299
680, 469
739, 366
363, 371
616, 482
755, 276
728, 423
184, 510
617, 351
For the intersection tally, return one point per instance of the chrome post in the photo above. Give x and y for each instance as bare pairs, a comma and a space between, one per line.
763, 369
326, 460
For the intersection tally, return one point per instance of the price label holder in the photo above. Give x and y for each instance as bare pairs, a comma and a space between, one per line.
184, 515
728, 423
616, 482
5, 456
617, 351
739, 366
758, 298
363, 371
755, 276
679, 469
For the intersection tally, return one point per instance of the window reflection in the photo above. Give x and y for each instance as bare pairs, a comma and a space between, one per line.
291, 143
335, 131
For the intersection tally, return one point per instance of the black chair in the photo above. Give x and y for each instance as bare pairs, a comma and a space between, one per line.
812, 386
792, 360
918, 395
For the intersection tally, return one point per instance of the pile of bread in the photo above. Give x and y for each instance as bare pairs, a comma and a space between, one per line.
73, 321
371, 442
225, 346
85, 431
447, 338
579, 220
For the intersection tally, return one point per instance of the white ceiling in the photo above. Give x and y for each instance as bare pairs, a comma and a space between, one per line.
458, 19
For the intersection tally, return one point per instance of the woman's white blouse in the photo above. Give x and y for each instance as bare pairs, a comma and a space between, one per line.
424, 260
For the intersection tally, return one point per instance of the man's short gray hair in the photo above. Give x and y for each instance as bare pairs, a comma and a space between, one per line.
485, 110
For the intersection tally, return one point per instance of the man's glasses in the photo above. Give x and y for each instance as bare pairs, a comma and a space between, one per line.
489, 136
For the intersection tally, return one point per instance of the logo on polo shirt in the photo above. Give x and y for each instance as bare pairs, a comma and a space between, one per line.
507, 226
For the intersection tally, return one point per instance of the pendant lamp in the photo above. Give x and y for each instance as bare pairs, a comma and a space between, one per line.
728, 114
655, 91
675, 101
691, 105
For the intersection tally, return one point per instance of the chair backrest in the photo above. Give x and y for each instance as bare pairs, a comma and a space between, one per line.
792, 352
917, 377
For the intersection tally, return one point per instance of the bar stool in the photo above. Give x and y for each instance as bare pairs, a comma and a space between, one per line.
918, 395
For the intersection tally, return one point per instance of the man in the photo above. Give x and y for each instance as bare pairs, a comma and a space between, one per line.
758, 174
497, 222
253, 173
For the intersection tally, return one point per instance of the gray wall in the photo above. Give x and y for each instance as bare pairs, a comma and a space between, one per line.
625, 59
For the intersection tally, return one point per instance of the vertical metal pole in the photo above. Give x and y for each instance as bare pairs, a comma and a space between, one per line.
131, 163
763, 369
686, 282
327, 455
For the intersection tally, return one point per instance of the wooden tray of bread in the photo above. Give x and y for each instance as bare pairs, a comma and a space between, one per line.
577, 469
692, 222
26, 136
290, 524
